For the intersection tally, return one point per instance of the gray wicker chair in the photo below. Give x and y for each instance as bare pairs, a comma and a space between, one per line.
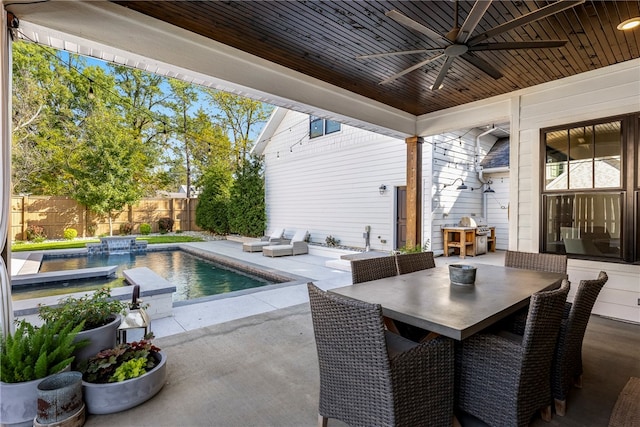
505, 380
370, 377
364, 270
534, 261
567, 363
530, 261
408, 263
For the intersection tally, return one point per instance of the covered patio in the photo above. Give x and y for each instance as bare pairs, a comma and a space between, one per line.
262, 370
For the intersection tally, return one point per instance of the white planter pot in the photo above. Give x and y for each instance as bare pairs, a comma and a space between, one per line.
100, 338
18, 402
115, 397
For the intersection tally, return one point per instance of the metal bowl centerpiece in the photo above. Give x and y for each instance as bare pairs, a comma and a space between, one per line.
461, 274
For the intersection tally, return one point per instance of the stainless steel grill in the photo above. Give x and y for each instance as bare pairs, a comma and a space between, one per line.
482, 230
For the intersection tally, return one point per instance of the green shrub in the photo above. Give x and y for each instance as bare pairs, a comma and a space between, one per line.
70, 233
125, 361
165, 225
126, 228
94, 310
91, 230
36, 233
145, 228
36, 352
331, 241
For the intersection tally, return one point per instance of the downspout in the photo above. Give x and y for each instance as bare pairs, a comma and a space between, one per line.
480, 170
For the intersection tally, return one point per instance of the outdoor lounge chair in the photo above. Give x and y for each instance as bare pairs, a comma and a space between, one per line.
274, 238
297, 246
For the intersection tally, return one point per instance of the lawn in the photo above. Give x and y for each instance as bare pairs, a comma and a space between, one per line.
75, 244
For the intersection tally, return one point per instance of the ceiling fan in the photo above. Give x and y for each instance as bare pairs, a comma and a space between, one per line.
458, 42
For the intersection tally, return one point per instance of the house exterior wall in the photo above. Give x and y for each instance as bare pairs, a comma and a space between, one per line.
497, 207
609, 91
329, 185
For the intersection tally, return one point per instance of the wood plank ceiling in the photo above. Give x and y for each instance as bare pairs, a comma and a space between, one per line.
323, 38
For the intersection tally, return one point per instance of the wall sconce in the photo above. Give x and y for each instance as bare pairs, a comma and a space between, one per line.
489, 189
462, 185
382, 189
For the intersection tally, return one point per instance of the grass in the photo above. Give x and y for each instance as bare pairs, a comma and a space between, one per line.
79, 244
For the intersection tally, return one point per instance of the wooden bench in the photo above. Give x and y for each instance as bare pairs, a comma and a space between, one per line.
626, 412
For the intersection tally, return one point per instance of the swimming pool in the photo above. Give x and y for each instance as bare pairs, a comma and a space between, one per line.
193, 276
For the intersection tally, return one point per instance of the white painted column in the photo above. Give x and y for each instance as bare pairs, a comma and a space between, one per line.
6, 309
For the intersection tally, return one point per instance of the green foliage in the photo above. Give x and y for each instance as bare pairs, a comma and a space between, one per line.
145, 228
247, 212
126, 228
125, 361
36, 352
130, 369
212, 211
21, 247
91, 229
416, 248
165, 225
36, 233
70, 233
94, 310
331, 241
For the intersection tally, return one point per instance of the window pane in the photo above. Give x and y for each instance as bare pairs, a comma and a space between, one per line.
608, 150
584, 224
331, 127
581, 157
557, 147
315, 126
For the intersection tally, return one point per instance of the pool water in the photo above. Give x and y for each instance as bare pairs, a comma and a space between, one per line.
194, 277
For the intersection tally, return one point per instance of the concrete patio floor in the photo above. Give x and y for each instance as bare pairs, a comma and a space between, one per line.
250, 360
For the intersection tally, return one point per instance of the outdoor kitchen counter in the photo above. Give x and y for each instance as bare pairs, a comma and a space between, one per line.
464, 238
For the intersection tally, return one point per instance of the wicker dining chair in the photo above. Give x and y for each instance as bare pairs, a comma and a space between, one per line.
535, 261
370, 377
530, 261
567, 363
367, 269
408, 263
504, 380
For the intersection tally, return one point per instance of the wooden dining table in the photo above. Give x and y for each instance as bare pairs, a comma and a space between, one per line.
428, 300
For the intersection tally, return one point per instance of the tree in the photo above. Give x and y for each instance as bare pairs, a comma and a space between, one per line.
247, 212
240, 116
212, 212
109, 169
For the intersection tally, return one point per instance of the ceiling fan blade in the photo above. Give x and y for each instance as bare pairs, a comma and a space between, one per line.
408, 22
535, 44
403, 52
475, 15
482, 65
543, 12
410, 69
443, 72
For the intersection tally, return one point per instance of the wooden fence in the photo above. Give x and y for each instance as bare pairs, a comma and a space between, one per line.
54, 214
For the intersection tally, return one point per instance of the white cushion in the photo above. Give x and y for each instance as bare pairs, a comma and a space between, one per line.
299, 236
277, 233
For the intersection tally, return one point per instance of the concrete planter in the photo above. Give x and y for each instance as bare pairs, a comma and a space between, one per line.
18, 402
100, 338
115, 397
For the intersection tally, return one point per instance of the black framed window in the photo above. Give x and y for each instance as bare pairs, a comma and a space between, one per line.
590, 195
319, 127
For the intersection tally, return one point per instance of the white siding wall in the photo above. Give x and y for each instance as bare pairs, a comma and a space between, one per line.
453, 156
329, 185
606, 92
601, 93
497, 205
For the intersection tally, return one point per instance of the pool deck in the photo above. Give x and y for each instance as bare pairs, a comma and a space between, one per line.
224, 308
